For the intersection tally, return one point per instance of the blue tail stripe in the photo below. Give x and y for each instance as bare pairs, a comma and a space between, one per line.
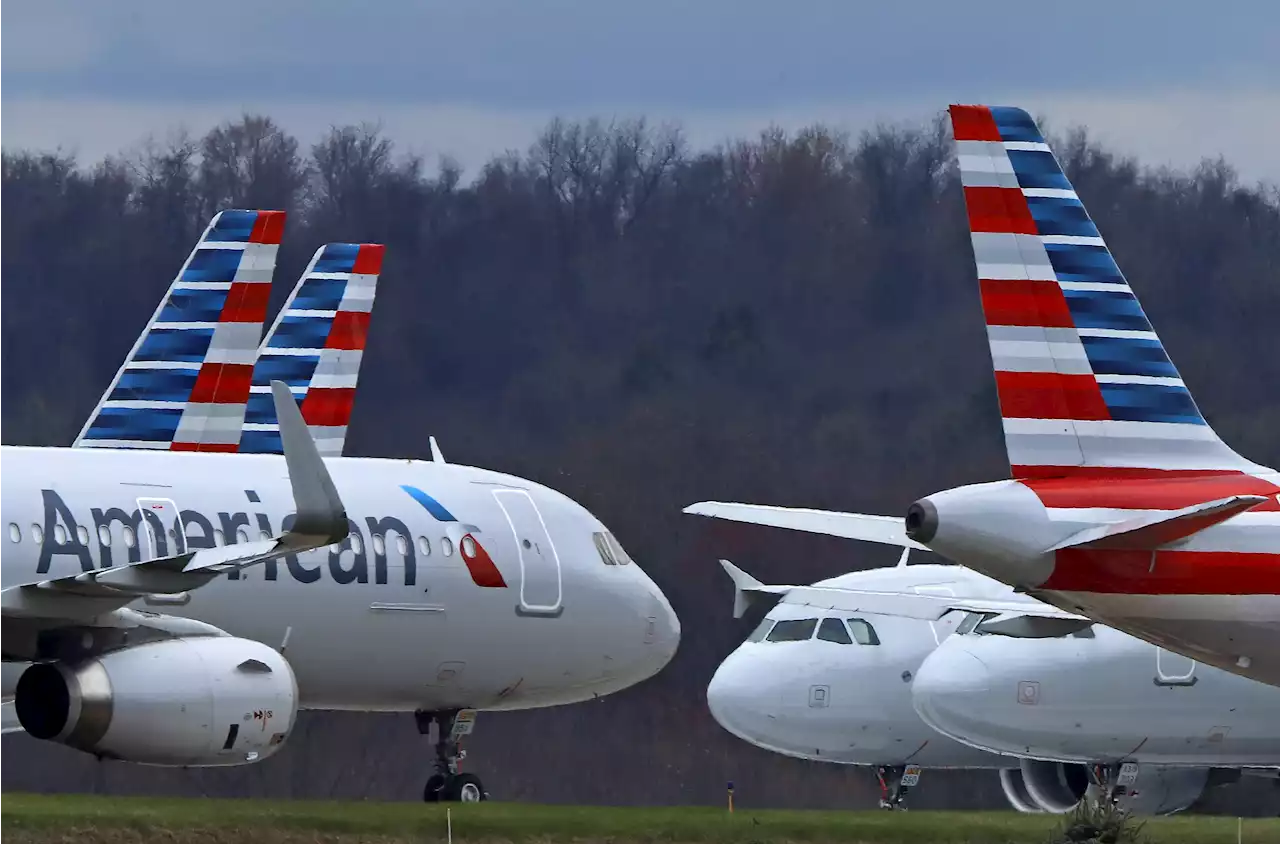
151, 425
176, 344
337, 258
213, 265
1036, 169
1104, 309
301, 332
154, 385
1059, 215
319, 294
186, 305
261, 442
294, 370
1128, 356
1150, 403
233, 227
1014, 124
1077, 262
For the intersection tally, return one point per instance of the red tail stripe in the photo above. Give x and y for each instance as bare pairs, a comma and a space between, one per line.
222, 383
973, 123
1050, 395
999, 210
246, 302
348, 331
369, 259
1115, 472
1170, 492
228, 448
1173, 572
328, 406
1023, 302
268, 228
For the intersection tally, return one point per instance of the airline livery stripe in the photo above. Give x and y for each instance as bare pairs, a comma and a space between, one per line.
1024, 303
1164, 572
1049, 395
328, 406
1147, 489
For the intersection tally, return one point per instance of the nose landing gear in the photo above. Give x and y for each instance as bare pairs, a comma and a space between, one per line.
895, 782
448, 784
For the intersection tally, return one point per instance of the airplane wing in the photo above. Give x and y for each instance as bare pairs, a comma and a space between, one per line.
925, 607
886, 530
321, 520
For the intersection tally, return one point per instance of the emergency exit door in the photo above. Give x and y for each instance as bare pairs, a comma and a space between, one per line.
539, 564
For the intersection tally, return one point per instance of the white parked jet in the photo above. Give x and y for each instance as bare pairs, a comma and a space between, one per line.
1113, 708
180, 607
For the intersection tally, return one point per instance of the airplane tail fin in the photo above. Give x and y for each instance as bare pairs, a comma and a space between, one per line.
747, 590
185, 383
315, 346
1085, 385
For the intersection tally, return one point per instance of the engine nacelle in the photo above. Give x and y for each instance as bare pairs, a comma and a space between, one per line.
1037, 786
204, 701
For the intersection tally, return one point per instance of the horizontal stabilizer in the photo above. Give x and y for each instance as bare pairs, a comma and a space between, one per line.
1158, 529
747, 590
886, 530
923, 607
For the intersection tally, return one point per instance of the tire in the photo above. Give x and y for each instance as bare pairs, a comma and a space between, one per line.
431, 791
463, 788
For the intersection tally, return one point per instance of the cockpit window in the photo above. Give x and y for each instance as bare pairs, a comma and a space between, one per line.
761, 630
610, 549
793, 630
969, 622
602, 546
833, 630
863, 633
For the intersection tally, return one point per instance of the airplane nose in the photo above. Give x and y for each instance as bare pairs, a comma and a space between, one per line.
738, 697
949, 688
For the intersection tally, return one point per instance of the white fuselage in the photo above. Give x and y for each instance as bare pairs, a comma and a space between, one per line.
847, 703
396, 619
1103, 698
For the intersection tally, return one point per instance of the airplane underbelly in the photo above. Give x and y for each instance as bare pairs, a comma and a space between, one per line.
1236, 633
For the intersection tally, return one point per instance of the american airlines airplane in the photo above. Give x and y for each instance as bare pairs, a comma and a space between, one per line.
180, 606
1123, 506
1081, 710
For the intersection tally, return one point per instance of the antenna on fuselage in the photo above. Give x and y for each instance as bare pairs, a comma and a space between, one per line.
902, 561
437, 456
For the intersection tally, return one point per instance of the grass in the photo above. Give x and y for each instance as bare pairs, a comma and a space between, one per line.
42, 819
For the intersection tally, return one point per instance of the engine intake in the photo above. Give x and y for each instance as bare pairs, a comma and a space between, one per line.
199, 702
1037, 786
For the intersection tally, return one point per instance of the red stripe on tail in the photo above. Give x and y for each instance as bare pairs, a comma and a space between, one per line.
222, 383
268, 228
1002, 210
1170, 573
328, 406
246, 302
369, 259
973, 123
348, 331
1050, 395
1022, 302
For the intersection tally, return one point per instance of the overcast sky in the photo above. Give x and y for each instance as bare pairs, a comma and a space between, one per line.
1168, 80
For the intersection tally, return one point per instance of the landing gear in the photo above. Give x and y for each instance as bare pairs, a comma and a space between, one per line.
1111, 783
895, 782
448, 784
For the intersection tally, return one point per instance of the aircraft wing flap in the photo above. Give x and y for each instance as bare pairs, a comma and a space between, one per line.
1157, 529
885, 530
321, 520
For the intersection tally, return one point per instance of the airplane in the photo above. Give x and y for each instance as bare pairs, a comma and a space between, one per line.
242, 587
1123, 505
1113, 718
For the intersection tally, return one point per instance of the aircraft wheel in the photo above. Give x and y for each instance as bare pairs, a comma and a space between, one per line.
463, 788
431, 792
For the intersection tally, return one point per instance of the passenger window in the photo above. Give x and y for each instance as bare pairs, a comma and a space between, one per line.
104, 536
793, 630
129, 538
379, 545
218, 538
60, 534
402, 546
762, 629
242, 535
357, 544
446, 546
863, 633
602, 547
15, 533
424, 545
833, 630
37, 534
82, 533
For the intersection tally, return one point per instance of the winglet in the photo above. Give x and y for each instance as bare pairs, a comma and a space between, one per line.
437, 456
747, 590
320, 509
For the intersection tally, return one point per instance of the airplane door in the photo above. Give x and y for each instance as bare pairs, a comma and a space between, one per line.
1174, 669
162, 528
539, 563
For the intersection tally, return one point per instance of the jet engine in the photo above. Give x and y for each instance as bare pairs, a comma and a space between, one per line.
1057, 788
215, 700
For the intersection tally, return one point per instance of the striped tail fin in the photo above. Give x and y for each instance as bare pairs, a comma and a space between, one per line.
1085, 385
316, 346
185, 384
